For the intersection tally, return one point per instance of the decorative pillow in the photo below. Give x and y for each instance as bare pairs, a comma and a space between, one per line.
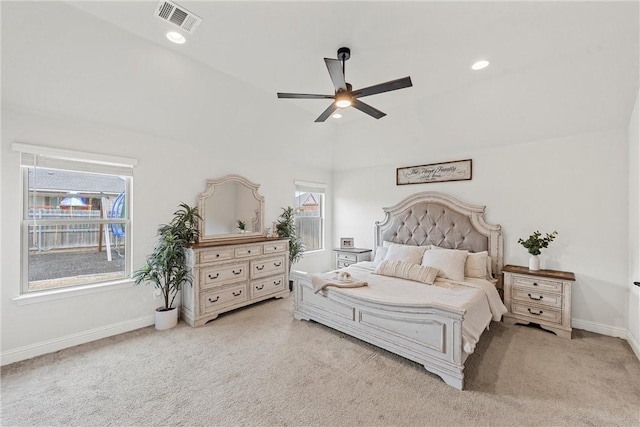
407, 270
405, 253
476, 265
449, 262
380, 254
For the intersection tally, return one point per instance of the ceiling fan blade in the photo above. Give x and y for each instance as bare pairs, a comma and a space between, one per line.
337, 75
326, 113
383, 87
366, 108
303, 96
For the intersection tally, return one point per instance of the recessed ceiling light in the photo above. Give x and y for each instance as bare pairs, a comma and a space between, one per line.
480, 65
337, 116
176, 37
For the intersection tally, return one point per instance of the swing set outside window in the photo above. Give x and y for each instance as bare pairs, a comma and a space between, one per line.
76, 224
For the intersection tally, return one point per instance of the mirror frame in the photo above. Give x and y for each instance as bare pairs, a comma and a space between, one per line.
209, 191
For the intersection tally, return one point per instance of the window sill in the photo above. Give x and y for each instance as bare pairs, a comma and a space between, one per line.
56, 294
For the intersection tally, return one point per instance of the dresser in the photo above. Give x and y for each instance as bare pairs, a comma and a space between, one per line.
233, 274
347, 256
542, 297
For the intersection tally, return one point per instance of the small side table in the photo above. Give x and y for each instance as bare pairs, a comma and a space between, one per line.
540, 296
347, 256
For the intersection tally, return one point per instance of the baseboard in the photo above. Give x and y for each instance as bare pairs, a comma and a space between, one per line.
634, 344
49, 346
599, 328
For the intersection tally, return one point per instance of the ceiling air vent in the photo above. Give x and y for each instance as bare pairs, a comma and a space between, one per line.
177, 15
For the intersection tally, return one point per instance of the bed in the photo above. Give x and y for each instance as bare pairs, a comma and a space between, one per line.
435, 325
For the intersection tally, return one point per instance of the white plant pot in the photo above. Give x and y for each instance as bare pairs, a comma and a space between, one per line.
534, 263
166, 319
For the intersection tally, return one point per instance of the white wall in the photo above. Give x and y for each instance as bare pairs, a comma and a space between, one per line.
634, 228
79, 83
577, 186
168, 172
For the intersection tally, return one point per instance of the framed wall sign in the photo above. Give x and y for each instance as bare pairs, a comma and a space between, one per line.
459, 170
346, 242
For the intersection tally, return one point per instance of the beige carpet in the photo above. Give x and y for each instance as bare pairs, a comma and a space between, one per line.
258, 366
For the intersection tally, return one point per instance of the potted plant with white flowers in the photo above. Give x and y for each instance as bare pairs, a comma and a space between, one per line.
166, 268
534, 244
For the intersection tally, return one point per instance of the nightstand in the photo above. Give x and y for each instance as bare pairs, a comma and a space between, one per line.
347, 256
540, 296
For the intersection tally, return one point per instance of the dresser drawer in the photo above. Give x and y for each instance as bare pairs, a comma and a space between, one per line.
267, 286
219, 275
539, 298
347, 257
247, 251
212, 255
267, 267
533, 312
216, 299
275, 247
536, 283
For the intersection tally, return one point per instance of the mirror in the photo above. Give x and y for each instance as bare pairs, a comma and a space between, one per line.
231, 208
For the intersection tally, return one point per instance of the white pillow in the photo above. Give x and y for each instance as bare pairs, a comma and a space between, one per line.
407, 270
476, 265
380, 254
405, 253
450, 262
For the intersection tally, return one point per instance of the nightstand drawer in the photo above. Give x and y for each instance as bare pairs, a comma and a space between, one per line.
540, 298
343, 264
536, 283
540, 313
347, 257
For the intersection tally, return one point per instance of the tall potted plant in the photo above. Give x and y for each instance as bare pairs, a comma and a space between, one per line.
166, 267
286, 227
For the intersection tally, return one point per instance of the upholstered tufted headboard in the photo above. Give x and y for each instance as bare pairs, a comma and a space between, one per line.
432, 218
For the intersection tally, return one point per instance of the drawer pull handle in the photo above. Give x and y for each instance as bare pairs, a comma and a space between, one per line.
236, 272
249, 251
213, 277
534, 298
217, 255
277, 283
260, 267
537, 314
214, 300
259, 287
535, 284
277, 264
238, 294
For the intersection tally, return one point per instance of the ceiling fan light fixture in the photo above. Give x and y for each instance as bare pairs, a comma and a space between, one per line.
343, 100
337, 116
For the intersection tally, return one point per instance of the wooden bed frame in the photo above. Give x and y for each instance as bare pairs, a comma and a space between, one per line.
428, 335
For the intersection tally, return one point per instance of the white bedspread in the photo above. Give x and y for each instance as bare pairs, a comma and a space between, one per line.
476, 299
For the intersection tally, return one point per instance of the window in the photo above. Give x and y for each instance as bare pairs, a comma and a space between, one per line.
309, 206
76, 222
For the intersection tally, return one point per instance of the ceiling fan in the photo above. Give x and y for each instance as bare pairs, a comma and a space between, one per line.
344, 95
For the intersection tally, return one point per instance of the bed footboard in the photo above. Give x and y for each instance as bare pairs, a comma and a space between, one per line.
427, 335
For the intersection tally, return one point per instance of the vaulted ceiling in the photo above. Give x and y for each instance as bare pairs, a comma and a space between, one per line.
557, 68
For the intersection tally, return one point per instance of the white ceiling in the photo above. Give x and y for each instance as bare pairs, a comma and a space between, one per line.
557, 68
